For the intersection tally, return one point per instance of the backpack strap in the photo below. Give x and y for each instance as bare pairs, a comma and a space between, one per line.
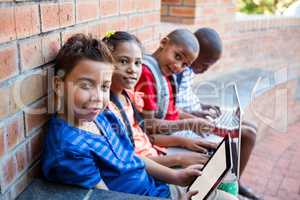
162, 91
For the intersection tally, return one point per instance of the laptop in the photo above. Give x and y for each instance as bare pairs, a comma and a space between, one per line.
213, 171
229, 123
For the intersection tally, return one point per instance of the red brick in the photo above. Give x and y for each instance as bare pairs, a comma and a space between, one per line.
13, 107
158, 5
21, 159
171, 2
57, 15
35, 146
66, 14
8, 105
146, 5
24, 181
15, 132
113, 24
31, 53
29, 88
127, 6
151, 18
49, 16
9, 171
67, 34
27, 20
7, 25
94, 30
164, 10
145, 34
211, 11
109, 7
2, 142
8, 62
189, 2
135, 21
5, 102
182, 11
87, 10
36, 116
50, 47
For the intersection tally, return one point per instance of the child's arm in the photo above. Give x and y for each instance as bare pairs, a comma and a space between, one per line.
182, 177
198, 145
154, 125
181, 160
185, 115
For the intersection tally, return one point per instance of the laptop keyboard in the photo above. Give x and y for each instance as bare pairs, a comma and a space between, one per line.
227, 120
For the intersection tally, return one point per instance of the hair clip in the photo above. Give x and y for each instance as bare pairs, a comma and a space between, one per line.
108, 34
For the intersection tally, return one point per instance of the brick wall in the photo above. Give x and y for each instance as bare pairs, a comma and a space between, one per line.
31, 32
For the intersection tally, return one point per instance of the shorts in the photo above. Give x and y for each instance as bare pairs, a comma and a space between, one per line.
177, 193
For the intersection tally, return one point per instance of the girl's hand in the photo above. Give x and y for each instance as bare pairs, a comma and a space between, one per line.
189, 195
192, 158
198, 145
184, 177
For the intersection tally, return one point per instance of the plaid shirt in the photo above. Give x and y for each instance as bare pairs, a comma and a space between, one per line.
79, 157
186, 98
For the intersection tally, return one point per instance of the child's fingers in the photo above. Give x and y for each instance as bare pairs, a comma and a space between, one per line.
217, 108
189, 195
209, 145
194, 172
196, 167
200, 149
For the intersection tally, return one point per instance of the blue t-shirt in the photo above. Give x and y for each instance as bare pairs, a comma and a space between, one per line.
78, 157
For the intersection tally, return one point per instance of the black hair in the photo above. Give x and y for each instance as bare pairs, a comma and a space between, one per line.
78, 47
118, 37
210, 41
184, 37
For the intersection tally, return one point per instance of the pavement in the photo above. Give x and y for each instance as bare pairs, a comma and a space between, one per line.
273, 170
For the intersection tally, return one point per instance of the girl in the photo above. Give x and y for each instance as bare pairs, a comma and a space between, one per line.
87, 145
127, 52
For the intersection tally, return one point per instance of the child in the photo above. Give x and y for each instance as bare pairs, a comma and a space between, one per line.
86, 144
211, 51
176, 51
127, 52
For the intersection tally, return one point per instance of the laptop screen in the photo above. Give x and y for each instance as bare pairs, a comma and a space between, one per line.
213, 172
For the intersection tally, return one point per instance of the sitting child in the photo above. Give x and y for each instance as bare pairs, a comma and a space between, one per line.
86, 144
176, 51
127, 52
211, 50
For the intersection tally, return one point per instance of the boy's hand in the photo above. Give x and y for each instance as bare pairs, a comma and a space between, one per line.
192, 158
184, 177
198, 145
213, 111
200, 125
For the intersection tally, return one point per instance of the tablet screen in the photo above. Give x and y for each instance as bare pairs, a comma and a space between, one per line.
212, 174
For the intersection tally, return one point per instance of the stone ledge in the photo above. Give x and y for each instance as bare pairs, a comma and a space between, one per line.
43, 190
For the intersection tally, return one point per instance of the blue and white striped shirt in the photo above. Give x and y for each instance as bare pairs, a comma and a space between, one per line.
186, 98
79, 157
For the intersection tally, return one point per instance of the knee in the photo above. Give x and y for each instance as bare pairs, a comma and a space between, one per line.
249, 135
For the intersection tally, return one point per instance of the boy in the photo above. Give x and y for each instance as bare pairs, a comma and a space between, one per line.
176, 51
211, 50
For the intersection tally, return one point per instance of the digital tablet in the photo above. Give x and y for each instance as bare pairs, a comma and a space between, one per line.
213, 171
